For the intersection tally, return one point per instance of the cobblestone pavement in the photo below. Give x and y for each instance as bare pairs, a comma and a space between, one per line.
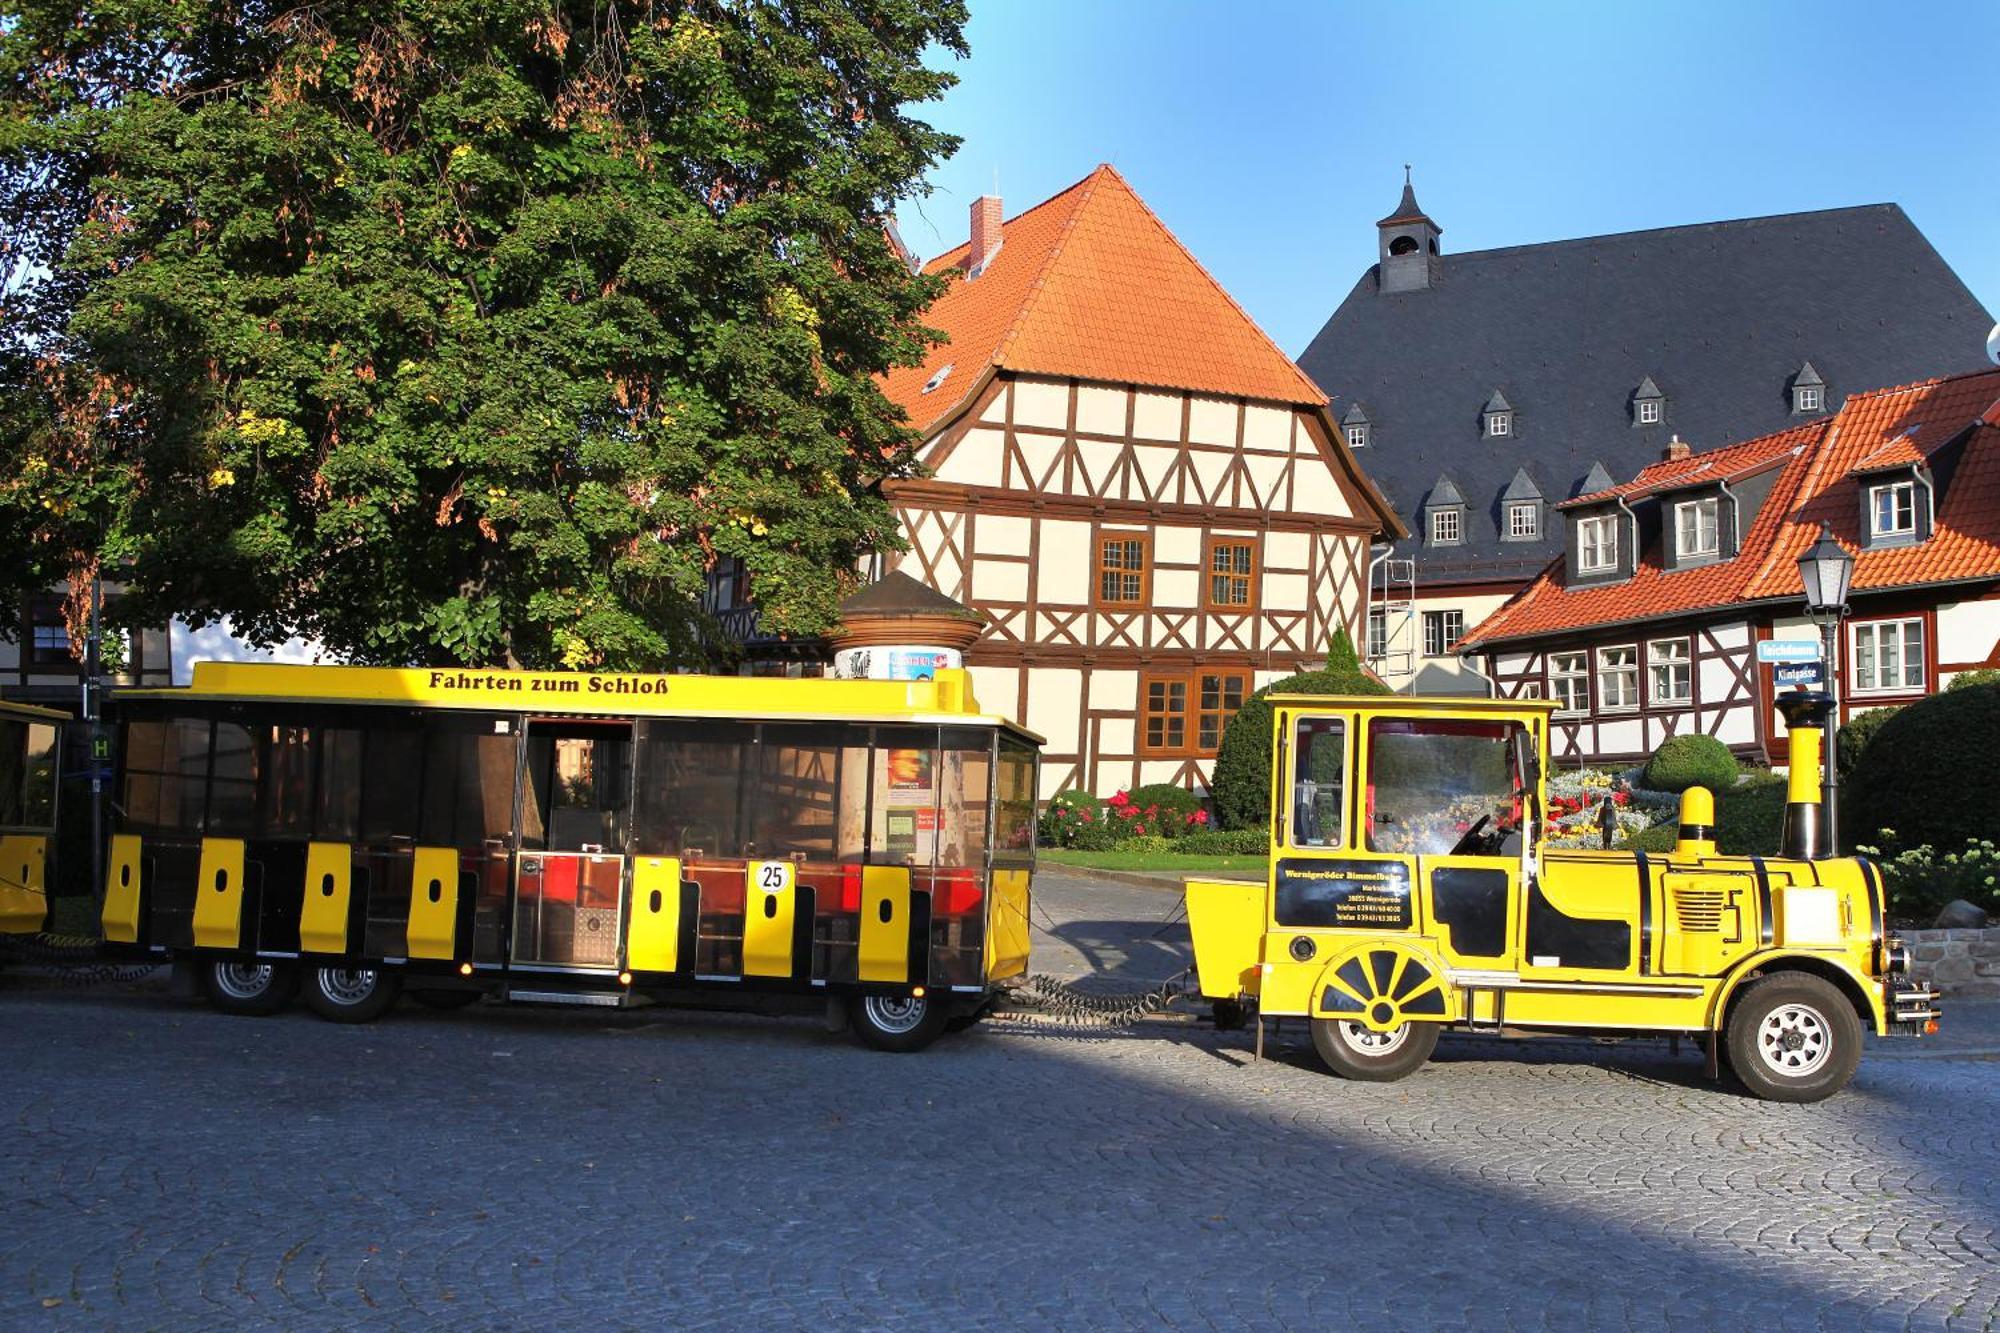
164, 1166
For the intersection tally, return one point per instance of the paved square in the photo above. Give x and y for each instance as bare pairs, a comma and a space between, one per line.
164, 1166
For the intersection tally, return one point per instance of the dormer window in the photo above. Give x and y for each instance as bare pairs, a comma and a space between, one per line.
1697, 531
1648, 411
1497, 416
1445, 527
943, 373
1354, 425
1499, 423
1805, 398
1357, 437
1892, 509
1597, 544
1649, 405
1524, 521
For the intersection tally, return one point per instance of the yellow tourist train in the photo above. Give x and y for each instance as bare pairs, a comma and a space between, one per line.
1410, 889
346, 833
30, 753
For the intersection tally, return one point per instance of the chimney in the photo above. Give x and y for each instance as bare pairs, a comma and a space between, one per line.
1676, 450
985, 234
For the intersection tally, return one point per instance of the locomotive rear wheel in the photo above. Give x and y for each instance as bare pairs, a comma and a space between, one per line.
1793, 1037
251, 989
897, 1022
350, 994
1353, 1050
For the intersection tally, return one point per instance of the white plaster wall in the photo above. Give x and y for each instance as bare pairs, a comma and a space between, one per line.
1054, 696
1176, 545
1043, 403
1156, 416
1101, 411
1114, 690
976, 460
1063, 563
1115, 735
1211, 420
1267, 428
1739, 726
1967, 631
1290, 549
1618, 735
1004, 534
999, 581
1284, 592
997, 689
1177, 589
1417, 674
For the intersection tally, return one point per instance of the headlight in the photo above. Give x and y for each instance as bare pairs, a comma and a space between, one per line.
1898, 956
1303, 948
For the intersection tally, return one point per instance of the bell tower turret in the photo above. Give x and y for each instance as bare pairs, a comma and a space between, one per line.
1409, 258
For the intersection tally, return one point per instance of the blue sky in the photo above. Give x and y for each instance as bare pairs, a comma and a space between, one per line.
1270, 136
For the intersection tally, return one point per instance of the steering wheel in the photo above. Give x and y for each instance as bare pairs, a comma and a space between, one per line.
1465, 845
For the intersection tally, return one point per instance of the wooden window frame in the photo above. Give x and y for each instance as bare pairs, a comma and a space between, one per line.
1582, 674
1636, 671
1192, 714
1874, 627
1357, 437
1499, 425
1255, 544
1687, 521
1808, 398
1097, 569
1653, 664
1532, 530
1583, 545
1445, 649
1437, 536
1892, 489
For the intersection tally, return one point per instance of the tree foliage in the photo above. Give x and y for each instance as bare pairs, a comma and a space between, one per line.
1928, 776
459, 330
1241, 787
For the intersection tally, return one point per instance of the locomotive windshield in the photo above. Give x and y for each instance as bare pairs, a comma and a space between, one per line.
1442, 787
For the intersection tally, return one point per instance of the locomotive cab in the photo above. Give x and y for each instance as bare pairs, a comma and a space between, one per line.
1410, 888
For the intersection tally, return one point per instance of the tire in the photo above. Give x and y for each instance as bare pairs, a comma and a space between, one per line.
350, 994
1793, 1037
899, 1023
1352, 1051
250, 989
445, 999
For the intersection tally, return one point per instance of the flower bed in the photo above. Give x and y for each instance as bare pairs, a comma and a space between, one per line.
1576, 796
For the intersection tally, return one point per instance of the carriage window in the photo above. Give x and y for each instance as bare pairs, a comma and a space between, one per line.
1319, 786
966, 758
337, 809
689, 783
394, 764
232, 785
13, 752
284, 797
165, 763
1014, 834
808, 793
903, 797
1442, 786
468, 783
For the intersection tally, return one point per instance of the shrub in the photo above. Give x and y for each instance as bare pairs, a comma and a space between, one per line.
1854, 738
1691, 761
1169, 810
1920, 881
1225, 842
1074, 819
1929, 773
1966, 680
1150, 843
1241, 787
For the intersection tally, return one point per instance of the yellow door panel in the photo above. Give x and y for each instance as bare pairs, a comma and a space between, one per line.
433, 902
218, 895
1711, 921
23, 901
1473, 906
1226, 918
654, 940
122, 890
323, 911
1007, 925
885, 923
768, 909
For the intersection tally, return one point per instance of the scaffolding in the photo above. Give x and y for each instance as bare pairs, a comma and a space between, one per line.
1392, 620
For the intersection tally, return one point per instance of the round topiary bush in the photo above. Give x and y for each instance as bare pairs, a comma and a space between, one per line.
1241, 786
1857, 735
1929, 775
1690, 761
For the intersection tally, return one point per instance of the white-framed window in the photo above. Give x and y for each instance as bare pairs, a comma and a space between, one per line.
1597, 544
1670, 670
1357, 437
1442, 631
1697, 531
1378, 632
1892, 509
1617, 678
1649, 411
1888, 655
1806, 398
1444, 527
1524, 520
1499, 423
1569, 681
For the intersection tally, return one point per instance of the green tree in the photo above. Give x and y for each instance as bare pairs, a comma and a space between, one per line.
1241, 787
460, 330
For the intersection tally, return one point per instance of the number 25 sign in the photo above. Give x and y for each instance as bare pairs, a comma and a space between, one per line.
774, 876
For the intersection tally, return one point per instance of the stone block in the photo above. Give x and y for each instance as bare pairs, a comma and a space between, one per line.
1953, 971
1926, 953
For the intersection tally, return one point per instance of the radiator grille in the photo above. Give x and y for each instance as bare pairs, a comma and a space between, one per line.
1699, 909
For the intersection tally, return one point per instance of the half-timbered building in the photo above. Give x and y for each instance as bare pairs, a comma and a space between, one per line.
1138, 492
1646, 626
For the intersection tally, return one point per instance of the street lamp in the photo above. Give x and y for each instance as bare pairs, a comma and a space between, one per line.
1825, 569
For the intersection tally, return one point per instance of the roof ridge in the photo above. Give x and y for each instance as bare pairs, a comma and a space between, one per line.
1106, 169
1679, 226
1087, 187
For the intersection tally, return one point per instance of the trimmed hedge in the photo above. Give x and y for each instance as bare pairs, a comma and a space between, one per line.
1241, 787
1690, 761
1225, 842
1967, 680
1929, 776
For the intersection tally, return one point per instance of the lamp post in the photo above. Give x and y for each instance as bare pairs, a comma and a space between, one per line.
1825, 569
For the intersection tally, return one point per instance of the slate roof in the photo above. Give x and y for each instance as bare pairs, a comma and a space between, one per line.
1726, 313
1817, 486
1091, 284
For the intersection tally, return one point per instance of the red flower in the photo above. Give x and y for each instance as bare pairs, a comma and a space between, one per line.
1138, 828
1200, 816
1152, 810
1121, 799
1086, 817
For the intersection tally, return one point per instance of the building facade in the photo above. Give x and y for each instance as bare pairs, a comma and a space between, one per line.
1146, 502
1483, 390
1646, 625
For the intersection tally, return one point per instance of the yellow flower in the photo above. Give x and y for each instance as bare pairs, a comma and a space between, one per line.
222, 476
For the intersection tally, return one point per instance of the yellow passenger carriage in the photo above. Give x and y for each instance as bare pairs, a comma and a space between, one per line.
30, 756
1411, 889
347, 832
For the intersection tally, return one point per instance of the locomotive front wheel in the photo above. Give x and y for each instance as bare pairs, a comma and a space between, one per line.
1793, 1037
1353, 1050
897, 1022
350, 994
253, 989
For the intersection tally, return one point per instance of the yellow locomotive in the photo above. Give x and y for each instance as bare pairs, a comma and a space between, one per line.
1410, 888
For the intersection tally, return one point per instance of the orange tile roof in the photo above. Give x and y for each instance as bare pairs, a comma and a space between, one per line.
1732, 463
1817, 486
1091, 284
